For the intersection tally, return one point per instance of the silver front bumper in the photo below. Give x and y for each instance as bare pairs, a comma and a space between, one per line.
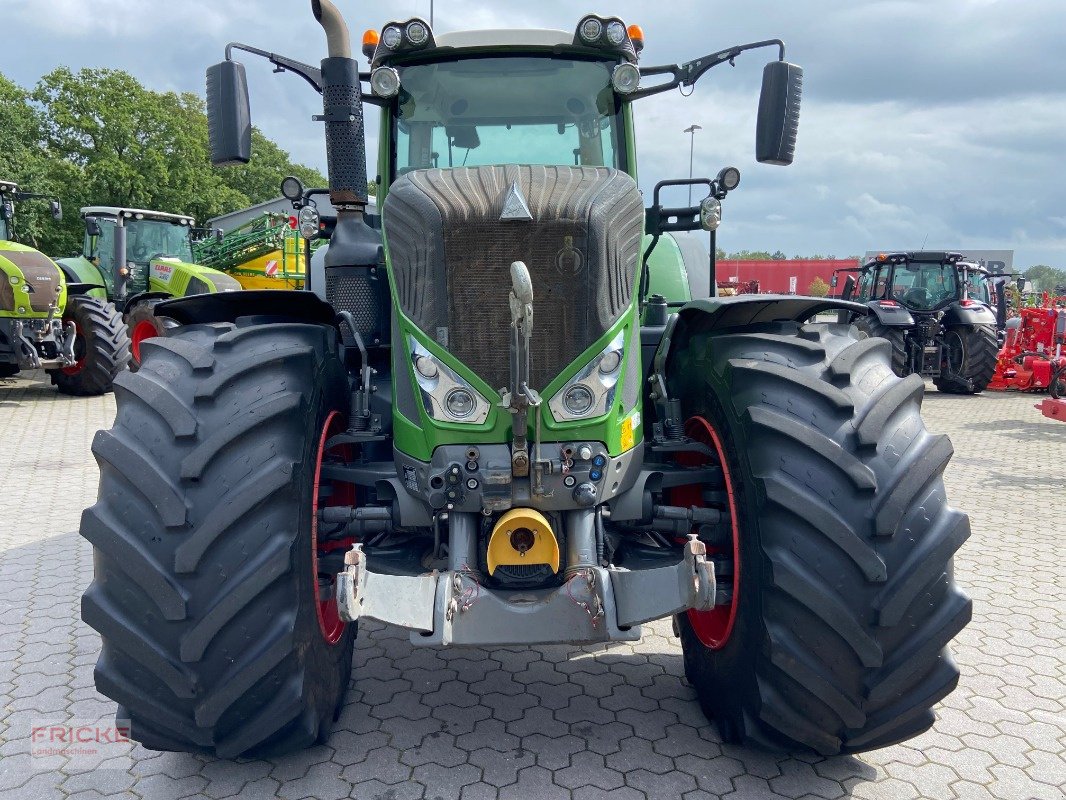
595, 604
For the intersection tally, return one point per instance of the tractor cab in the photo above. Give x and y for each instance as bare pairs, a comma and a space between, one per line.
131, 245
460, 100
923, 282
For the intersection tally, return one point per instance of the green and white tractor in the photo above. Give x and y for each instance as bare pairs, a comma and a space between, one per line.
48, 322
480, 426
138, 258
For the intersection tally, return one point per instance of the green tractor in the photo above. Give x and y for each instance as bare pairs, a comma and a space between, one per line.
492, 434
936, 310
138, 258
50, 323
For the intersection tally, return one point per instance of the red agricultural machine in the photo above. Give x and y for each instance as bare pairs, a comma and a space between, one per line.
730, 288
1032, 357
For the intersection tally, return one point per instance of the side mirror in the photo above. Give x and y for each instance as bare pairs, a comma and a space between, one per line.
463, 136
849, 288
833, 281
1021, 284
779, 109
92, 227
229, 116
57, 210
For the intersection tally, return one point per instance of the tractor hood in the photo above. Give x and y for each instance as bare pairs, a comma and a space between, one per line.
452, 235
30, 282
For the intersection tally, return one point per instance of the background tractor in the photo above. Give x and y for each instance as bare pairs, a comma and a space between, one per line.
137, 258
936, 311
483, 426
47, 322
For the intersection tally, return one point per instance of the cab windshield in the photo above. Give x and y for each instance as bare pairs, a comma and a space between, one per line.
923, 286
507, 110
146, 239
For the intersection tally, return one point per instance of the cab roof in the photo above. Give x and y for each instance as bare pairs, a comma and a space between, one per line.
137, 213
505, 37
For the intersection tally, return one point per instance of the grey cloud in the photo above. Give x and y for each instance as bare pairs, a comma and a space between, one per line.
942, 119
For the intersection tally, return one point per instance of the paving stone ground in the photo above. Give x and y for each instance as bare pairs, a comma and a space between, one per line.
613, 722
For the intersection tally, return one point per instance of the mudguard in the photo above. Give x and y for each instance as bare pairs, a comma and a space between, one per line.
894, 316
975, 314
267, 305
722, 314
80, 270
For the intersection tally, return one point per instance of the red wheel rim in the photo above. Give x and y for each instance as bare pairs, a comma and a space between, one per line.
713, 628
79, 363
328, 492
145, 329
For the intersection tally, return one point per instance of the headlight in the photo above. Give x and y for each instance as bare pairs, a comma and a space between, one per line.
616, 32
591, 392
309, 221
417, 33
445, 395
625, 78
591, 28
391, 37
385, 81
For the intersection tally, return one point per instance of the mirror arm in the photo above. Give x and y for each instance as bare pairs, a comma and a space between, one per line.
691, 71
313, 75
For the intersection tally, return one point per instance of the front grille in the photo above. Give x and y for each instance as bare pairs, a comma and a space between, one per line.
451, 256
523, 576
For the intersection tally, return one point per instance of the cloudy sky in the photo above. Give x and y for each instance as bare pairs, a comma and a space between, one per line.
940, 122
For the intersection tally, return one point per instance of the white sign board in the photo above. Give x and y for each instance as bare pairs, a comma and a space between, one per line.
792, 285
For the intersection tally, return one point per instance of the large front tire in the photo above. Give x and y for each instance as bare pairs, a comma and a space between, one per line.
102, 348
204, 592
970, 359
845, 599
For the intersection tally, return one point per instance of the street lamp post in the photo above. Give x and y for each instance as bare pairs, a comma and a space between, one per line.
691, 130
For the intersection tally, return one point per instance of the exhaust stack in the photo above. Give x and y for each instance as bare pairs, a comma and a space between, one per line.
342, 112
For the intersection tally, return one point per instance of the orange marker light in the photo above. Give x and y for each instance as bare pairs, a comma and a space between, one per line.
636, 34
370, 42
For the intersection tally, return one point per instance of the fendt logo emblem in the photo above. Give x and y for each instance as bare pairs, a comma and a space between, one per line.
515, 207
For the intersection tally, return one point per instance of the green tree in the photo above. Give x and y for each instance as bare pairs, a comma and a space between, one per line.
818, 288
751, 255
1045, 278
108, 140
778, 256
23, 161
261, 177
